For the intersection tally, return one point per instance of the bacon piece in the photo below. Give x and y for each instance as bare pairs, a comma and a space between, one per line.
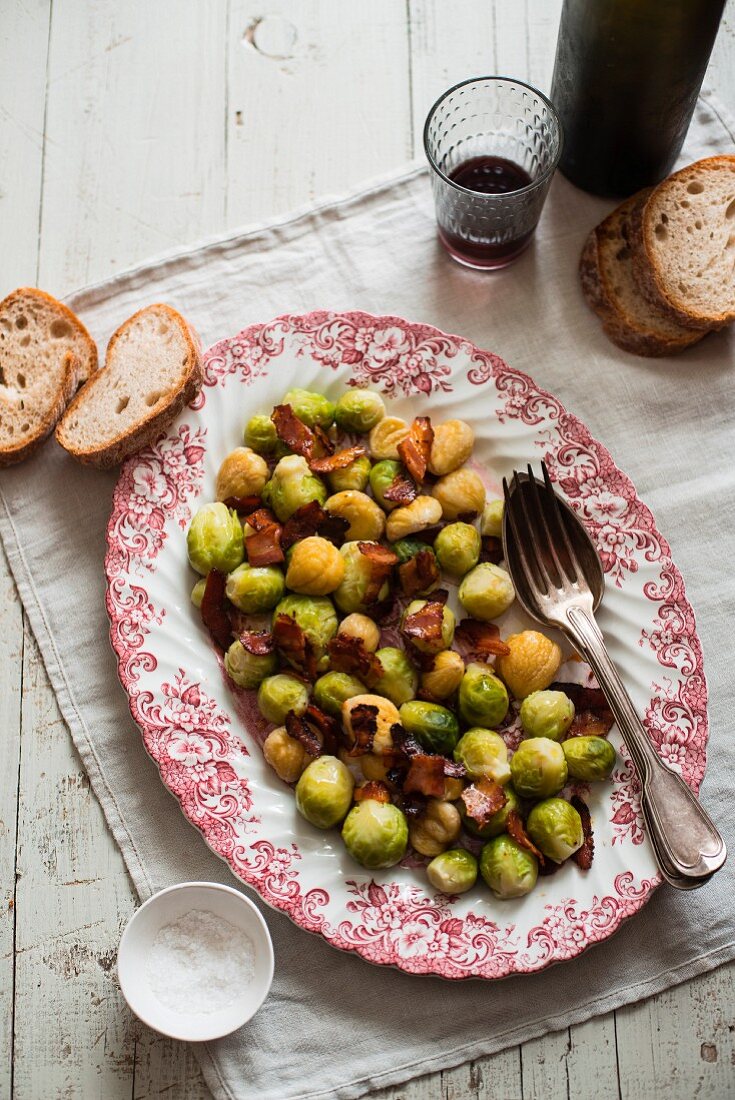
419, 573
402, 490
364, 724
329, 728
588, 724
338, 461
294, 646
312, 519
214, 609
324, 443
303, 732
382, 559
243, 505
491, 549
425, 775
478, 639
593, 716
483, 799
264, 546
257, 642
297, 436
262, 519
583, 856
426, 623
415, 449
348, 654
516, 829
374, 790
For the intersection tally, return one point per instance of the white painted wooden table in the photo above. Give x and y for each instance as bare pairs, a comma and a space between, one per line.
125, 129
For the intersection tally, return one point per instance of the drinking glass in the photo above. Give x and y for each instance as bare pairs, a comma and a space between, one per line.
493, 145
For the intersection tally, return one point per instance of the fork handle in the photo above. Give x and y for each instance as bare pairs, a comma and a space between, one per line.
682, 831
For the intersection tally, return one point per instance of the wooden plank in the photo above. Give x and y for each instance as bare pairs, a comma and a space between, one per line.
317, 101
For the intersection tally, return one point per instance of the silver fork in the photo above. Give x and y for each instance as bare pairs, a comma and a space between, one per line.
558, 578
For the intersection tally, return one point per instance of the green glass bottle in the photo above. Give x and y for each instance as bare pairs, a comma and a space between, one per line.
625, 83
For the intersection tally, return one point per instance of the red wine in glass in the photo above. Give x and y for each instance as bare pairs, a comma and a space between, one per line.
487, 246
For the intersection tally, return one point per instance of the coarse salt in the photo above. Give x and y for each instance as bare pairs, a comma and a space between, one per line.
200, 963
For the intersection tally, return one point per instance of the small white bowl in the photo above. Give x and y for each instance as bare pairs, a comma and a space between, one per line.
167, 906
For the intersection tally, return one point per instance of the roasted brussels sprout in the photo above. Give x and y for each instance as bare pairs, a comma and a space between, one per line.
498, 822
484, 754
366, 519
312, 408
248, 670
382, 477
555, 828
197, 592
589, 758
547, 714
261, 435
333, 688
254, 588
483, 700
400, 679
492, 519
358, 571
460, 493
457, 546
538, 768
445, 675
532, 663
214, 540
359, 411
451, 447
436, 829
292, 485
419, 515
360, 626
509, 870
355, 476
375, 834
453, 872
315, 567
279, 694
386, 435
486, 591
242, 474
433, 726
386, 717
324, 791
432, 645
285, 754
316, 617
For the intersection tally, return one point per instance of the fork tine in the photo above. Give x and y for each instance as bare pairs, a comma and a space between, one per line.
522, 541
561, 525
542, 572
550, 547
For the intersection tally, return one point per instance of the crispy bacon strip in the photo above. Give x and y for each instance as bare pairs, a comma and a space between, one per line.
312, 519
214, 609
583, 856
303, 732
419, 573
516, 829
374, 790
584, 698
588, 724
264, 547
426, 623
478, 639
257, 642
415, 449
382, 559
402, 490
425, 775
338, 461
328, 727
482, 800
364, 723
491, 549
324, 443
348, 654
293, 432
243, 505
294, 646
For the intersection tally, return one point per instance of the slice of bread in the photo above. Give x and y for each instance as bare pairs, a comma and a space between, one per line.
45, 352
152, 370
684, 244
606, 273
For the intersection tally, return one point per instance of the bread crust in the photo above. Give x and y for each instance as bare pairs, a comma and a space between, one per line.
68, 315
9, 456
125, 443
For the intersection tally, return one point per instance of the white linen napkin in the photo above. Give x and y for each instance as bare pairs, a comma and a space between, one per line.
335, 1026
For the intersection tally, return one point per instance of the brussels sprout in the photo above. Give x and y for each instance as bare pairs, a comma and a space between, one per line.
538, 768
197, 592
486, 591
483, 699
400, 679
498, 822
453, 872
358, 571
492, 519
547, 714
261, 435
292, 485
324, 791
254, 588
457, 547
409, 548
316, 617
509, 870
331, 690
279, 694
313, 408
555, 828
359, 410
248, 670
382, 476
432, 645
375, 834
589, 758
214, 540
484, 754
355, 476
433, 726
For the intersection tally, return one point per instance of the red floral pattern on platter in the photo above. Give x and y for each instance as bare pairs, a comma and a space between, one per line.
204, 762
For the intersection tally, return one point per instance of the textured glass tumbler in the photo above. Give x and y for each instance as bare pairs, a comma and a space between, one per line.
492, 144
